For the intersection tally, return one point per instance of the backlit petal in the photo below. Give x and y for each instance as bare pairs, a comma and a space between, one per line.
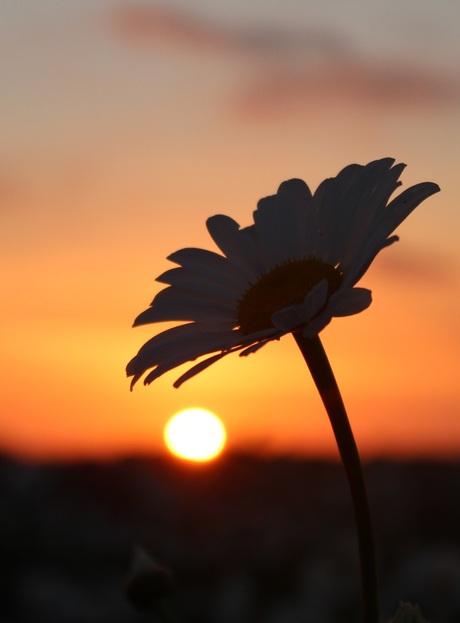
295, 316
237, 246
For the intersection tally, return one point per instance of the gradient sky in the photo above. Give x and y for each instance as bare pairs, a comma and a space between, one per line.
126, 124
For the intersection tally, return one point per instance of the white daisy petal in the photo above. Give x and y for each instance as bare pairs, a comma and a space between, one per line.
343, 303
182, 278
349, 302
290, 318
264, 338
316, 325
179, 296
400, 208
173, 304
362, 263
353, 200
395, 213
181, 342
176, 347
368, 210
207, 264
199, 367
187, 342
385, 187
191, 312
281, 222
237, 246
255, 347
332, 220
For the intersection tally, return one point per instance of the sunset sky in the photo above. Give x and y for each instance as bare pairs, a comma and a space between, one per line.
126, 124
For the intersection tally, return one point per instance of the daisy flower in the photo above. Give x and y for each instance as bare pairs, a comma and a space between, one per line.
291, 271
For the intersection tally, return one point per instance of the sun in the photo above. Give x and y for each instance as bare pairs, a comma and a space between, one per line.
195, 434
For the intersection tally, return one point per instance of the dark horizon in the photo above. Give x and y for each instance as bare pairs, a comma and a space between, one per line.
109, 457
268, 535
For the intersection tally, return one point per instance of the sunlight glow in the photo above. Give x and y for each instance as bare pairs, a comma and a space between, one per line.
195, 434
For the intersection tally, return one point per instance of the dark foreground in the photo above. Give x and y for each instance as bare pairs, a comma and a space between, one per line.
249, 540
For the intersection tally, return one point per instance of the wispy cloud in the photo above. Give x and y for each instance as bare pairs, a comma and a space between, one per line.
292, 70
348, 83
160, 25
416, 265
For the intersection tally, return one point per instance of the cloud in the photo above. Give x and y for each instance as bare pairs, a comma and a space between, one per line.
160, 26
416, 266
348, 83
292, 71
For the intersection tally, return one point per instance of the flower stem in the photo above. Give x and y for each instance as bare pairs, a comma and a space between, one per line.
323, 376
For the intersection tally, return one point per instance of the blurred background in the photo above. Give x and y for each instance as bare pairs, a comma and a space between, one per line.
124, 126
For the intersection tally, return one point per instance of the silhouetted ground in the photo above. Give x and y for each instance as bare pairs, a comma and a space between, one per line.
249, 540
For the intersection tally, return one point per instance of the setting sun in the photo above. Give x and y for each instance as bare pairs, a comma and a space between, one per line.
195, 434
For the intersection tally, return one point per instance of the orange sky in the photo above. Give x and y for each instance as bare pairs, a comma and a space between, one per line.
125, 128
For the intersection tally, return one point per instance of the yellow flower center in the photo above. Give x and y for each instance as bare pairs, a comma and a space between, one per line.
285, 285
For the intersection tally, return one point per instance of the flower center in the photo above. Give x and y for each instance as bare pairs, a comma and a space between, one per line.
285, 285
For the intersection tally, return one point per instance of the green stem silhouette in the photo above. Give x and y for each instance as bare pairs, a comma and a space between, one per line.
323, 376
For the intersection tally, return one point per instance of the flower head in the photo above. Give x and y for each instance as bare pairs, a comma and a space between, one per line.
292, 270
